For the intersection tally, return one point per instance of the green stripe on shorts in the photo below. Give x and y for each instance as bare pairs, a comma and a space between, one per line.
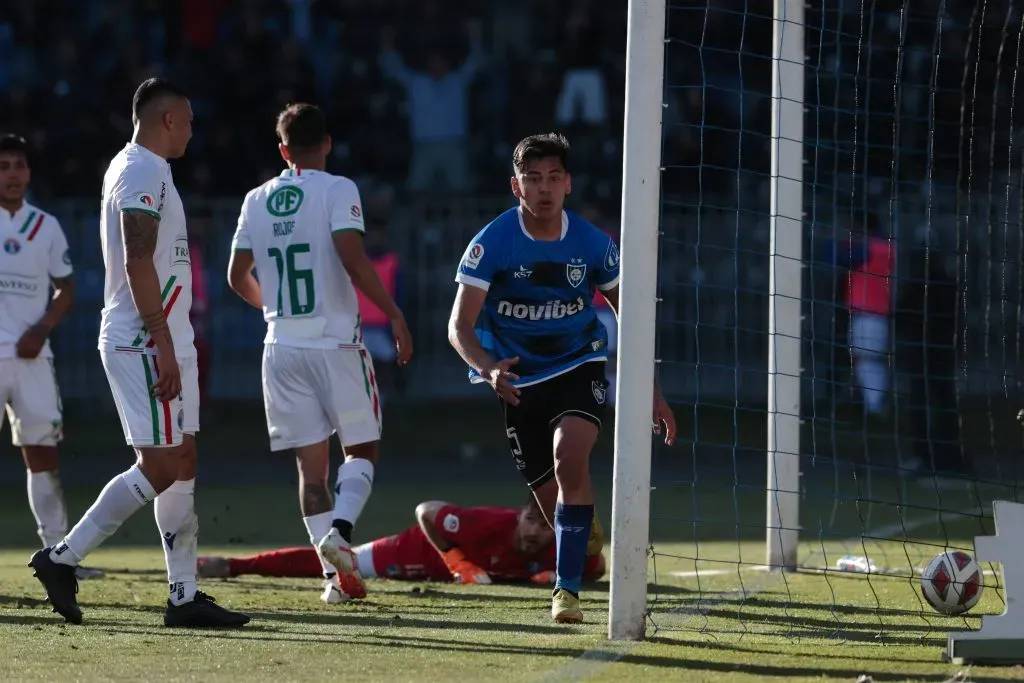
152, 401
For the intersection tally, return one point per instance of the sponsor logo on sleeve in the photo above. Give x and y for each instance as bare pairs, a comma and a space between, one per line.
451, 523
179, 252
146, 199
473, 256
611, 260
67, 257
356, 212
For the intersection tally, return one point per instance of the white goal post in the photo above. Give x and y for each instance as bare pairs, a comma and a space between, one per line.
641, 199
638, 291
785, 284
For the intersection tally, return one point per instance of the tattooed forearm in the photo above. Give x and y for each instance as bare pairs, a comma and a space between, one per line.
316, 499
138, 232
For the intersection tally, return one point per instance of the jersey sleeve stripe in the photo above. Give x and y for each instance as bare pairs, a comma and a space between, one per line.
237, 248
464, 279
346, 228
154, 214
609, 285
35, 228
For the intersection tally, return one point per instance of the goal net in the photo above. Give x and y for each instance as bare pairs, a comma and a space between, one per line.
838, 313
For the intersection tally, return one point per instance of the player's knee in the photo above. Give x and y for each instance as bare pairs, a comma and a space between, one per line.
366, 451
571, 465
160, 466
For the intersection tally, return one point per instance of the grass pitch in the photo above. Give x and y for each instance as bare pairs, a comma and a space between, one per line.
714, 619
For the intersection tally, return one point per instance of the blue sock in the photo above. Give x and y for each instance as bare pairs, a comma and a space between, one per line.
572, 531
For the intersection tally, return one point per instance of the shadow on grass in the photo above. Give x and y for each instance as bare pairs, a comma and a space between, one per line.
739, 650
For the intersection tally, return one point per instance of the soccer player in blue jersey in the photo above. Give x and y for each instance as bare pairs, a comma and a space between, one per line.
525, 323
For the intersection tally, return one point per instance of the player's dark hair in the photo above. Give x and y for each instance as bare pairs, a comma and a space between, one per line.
533, 506
301, 126
537, 147
13, 144
152, 89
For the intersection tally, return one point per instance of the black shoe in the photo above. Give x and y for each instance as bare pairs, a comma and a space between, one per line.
60, 583
202, 612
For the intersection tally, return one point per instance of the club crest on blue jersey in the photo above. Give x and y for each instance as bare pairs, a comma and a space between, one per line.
12, 246
576, 272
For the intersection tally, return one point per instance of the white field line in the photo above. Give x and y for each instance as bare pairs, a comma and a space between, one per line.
877, 532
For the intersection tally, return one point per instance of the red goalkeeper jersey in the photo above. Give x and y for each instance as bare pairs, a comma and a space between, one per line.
486, 536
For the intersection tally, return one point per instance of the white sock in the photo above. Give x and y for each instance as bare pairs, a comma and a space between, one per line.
355, 481
119, 500
179, 531
46, 498
319, 526
364, 561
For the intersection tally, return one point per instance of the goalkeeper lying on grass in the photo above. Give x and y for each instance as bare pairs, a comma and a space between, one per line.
449, 543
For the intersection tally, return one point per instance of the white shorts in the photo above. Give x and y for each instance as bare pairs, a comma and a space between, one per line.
147, 422
28, 387
310, 394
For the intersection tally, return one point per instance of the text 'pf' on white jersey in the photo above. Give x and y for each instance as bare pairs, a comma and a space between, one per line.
317, 377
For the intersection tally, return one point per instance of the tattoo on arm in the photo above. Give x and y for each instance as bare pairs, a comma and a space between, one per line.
138, 232
316, 499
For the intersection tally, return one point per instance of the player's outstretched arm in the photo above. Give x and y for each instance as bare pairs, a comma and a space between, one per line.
469, 301
462, 570
241, 280
349, 245
138, 234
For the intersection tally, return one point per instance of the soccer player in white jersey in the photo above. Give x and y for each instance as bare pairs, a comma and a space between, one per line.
35, 254
147, 351
303, 233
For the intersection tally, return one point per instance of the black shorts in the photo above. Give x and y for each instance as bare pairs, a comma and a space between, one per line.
530, 426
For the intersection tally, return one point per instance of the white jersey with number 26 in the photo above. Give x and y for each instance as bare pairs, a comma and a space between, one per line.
288, 223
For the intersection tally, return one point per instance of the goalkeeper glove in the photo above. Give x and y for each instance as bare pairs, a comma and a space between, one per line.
545, 578
464, 571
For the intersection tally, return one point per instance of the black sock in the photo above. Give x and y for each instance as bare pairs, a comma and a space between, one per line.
344, 528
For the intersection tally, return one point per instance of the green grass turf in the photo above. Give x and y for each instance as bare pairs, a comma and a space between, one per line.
740, 624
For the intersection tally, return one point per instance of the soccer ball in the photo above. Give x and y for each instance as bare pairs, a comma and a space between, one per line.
951, 583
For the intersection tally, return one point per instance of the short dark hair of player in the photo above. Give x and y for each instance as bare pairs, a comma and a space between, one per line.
14, 144
301, 126
537, 147
151, 90
533, 506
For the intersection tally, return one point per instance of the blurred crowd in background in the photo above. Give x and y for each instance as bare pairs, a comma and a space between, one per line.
909, 111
